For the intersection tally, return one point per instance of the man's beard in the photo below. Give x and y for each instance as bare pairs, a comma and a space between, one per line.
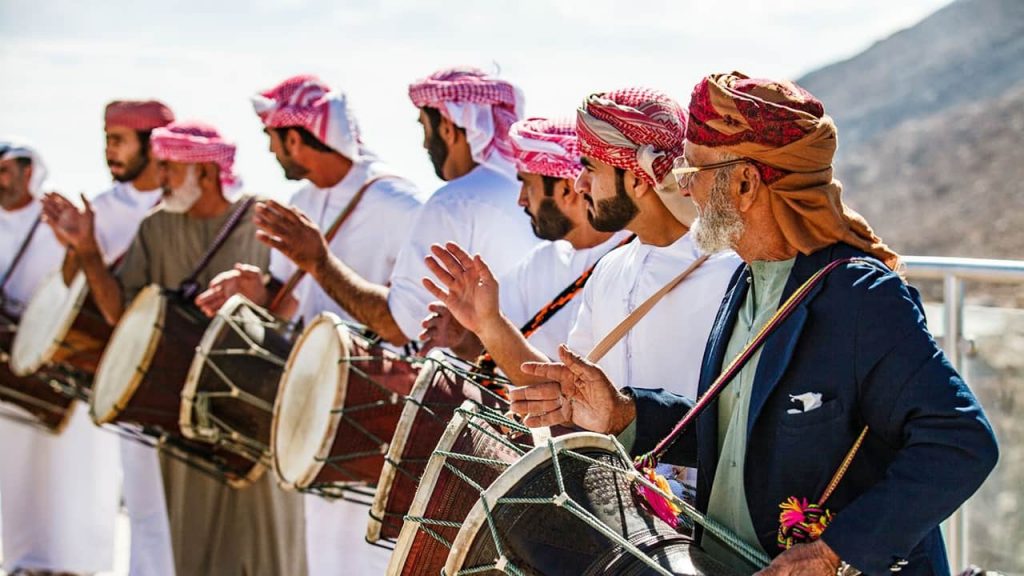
438, 152
550, 223
718, 225
181, 199
613, 214
132, 169
292, 169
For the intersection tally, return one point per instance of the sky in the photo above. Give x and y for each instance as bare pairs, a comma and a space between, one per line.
61, 61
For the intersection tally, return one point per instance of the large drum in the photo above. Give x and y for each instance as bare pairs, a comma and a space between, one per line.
476, 447
38, 399
228, 399
570, 508
444, 384
140, 378
61, 326
339, 403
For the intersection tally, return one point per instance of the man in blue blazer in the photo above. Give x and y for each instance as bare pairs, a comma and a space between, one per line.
853, 352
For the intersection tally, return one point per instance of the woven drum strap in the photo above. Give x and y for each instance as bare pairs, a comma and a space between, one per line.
188, 287
616, 334
18, 257
299, 274
560, 301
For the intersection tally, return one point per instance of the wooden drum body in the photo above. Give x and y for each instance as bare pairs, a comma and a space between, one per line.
37, 399
570, 507
63, 327
229, 394
141, 376
476, 447
444, 384
338, 405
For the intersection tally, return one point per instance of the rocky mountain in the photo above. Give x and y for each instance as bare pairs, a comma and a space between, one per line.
931, 131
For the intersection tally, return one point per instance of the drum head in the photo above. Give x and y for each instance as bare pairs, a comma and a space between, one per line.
307, 409
568, 530
47, 319
128, 354
250, 319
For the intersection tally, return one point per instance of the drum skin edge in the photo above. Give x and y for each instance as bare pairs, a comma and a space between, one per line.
140, 371
397, 446
55, 344
478, 517
339, 403
426, 486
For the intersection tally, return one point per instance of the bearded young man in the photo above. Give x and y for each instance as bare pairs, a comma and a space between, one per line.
128, 125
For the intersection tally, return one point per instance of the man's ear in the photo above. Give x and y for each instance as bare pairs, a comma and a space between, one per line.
637, 185
748, 186
449, 133
209, 174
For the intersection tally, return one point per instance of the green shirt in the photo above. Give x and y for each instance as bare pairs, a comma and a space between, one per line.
728, 503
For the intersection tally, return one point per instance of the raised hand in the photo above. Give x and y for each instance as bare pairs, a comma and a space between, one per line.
243, 279
289, 231
442, 330
575, 391
472, 291
813, 559
73, 227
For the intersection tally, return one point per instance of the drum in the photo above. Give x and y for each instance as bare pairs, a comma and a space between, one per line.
61, 325
476, 447
444, 384
228, 398
37, 399
141, 375
569, 507
337, 408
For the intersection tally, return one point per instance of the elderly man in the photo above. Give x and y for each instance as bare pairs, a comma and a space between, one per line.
845, 371
315, 136
128, 125
214, 529
537, 304
59, 492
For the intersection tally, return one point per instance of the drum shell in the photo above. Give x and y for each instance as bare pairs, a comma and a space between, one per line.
445, 496
423, 423
49, 406
252, 374
397, 377
549, 539
83, 345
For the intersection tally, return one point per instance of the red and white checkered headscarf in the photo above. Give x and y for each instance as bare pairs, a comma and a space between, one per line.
307, 102
484, 106
142, 115
192, 143
640, 130
546, 147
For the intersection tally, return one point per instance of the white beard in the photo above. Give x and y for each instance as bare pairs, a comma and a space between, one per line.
182, 198
719, 225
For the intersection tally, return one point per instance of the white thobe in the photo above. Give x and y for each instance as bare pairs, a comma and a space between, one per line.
119, 211
480, 212
369, 243
58, 494
542, 276
665, 349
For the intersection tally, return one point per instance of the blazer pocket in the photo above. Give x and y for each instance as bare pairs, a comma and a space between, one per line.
828, 411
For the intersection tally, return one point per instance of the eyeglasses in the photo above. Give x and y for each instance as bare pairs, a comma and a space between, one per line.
684, 173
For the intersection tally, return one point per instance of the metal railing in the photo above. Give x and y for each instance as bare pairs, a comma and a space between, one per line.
953, 272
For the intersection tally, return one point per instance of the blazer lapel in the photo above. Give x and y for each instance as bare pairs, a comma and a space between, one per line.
714, 356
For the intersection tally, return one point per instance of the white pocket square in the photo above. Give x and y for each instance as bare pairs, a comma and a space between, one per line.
808, 400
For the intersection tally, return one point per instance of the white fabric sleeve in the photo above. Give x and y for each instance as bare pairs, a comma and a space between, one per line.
437, 223
581, 337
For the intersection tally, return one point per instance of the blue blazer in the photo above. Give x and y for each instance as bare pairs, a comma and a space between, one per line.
860, 340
